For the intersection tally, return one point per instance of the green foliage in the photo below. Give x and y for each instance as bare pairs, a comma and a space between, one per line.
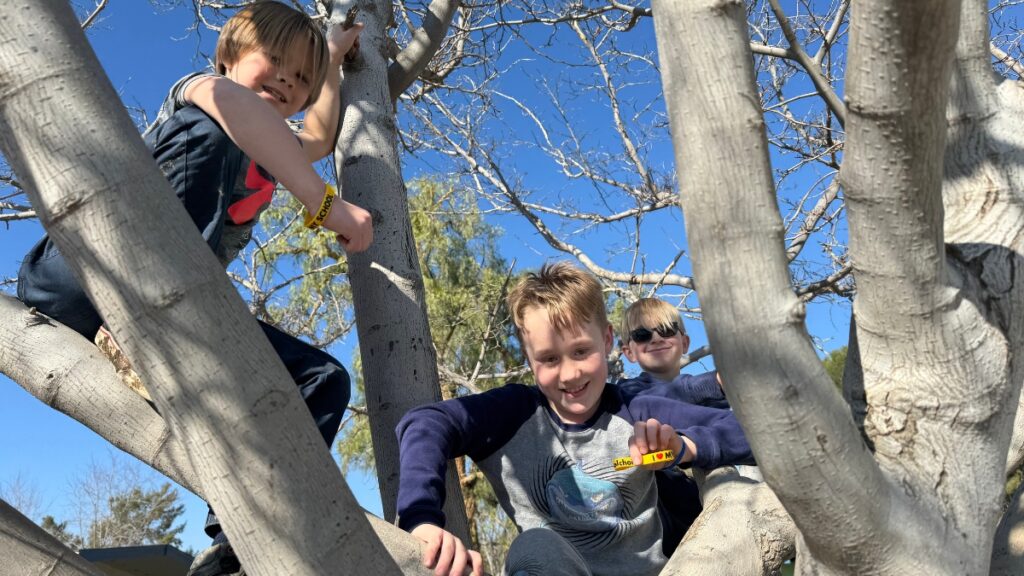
465, 280
134, 517
835, 362
139, 517
294, 278
59, 530
1013, 483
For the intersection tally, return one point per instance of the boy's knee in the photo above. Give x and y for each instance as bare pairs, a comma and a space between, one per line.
339, 384
542, 551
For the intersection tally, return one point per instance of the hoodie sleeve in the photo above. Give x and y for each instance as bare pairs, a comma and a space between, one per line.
717, 434
431, 435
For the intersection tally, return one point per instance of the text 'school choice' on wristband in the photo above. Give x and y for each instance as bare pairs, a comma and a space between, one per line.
626, 462
317, 219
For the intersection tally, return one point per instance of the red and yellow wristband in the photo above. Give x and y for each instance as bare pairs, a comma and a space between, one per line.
315, 220
626, 462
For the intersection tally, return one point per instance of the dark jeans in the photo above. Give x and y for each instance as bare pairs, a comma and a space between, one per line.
201, 163
678, 506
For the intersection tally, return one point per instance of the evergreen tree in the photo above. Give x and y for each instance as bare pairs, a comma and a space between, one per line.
139, 517
59, 530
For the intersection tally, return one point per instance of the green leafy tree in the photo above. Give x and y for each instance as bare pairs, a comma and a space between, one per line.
139, 517
834, 364
59, 530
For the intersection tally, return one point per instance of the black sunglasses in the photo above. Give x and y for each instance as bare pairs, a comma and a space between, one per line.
642, 335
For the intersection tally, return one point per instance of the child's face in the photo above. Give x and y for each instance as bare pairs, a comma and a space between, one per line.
660, 356
281, 81
570, 365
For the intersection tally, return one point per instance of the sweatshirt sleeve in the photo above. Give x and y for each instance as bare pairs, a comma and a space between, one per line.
717, 433
431, 435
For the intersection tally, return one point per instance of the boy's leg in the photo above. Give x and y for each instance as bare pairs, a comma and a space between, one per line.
323, 383
542, 552
45, 281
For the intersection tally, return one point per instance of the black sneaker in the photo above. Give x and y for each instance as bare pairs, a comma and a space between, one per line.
217, 560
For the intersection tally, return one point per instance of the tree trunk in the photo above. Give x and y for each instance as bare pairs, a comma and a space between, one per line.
67, 373
169, 303
935, 358
982, 195
399, 361
28, 550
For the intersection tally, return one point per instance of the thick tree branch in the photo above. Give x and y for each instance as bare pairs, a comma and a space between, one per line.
169, 304
743, 529
28, 550
413, 59
67, 373
806, 444
1008, 60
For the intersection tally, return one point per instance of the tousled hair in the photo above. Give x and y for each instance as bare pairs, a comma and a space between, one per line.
274, 27
570, 296
649, 313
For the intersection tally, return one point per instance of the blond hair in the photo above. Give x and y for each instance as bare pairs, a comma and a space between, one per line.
273, 28
570, 296
649, 313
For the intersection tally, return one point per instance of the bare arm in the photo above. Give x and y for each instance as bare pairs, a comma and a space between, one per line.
262, 134
321, 121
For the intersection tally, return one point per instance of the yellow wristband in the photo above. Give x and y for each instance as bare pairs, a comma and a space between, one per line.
626, 462
314, 221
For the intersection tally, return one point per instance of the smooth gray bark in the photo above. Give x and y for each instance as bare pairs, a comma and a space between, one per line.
413, 59
935, 357
399, 361
212, 374
982, 195
67, 373
743, 530
28, 550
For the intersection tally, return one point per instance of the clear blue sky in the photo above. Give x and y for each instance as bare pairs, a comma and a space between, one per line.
144, 53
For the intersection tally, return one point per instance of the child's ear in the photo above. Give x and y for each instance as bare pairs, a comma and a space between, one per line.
628, 351
686, 343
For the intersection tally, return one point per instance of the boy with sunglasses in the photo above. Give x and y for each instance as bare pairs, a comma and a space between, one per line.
653, 336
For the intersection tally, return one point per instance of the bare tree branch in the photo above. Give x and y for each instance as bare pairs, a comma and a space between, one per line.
812, 67
411, 61
100, 5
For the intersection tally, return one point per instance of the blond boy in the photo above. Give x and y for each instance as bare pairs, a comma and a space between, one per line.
653, 337
549, 450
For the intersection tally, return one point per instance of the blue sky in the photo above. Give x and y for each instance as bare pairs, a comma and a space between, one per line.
144, 52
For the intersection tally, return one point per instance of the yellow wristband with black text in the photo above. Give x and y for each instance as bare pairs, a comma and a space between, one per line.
314, 221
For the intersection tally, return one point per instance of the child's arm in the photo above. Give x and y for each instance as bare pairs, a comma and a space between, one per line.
716, 434
321, 119
431, 435
263, 135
